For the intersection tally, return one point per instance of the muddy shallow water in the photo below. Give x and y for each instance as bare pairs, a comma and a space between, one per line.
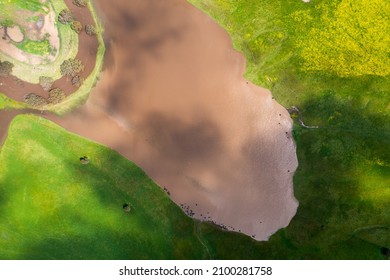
173, 99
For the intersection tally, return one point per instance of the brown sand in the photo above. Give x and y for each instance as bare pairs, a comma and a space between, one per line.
173, 99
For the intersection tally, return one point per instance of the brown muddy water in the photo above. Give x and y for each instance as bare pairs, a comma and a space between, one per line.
173, 99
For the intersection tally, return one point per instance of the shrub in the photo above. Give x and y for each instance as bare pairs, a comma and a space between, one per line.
80, 3
5, 68
56, 95
46, 82
65, 17
35, 100
71, 67
76, 26
77, 81
90, 30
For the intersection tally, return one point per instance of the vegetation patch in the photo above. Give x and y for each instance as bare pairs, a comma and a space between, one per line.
5, 68
75, 211
9, 8
90, 30
46, 82
344, 165
346, 38
71, 67
56, 96
34, 100
65, 16
35, 47
8, 103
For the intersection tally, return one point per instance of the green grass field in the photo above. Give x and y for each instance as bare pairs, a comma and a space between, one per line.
343, 179
54, 207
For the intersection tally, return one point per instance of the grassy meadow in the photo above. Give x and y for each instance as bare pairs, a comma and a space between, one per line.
54, 207
330, 60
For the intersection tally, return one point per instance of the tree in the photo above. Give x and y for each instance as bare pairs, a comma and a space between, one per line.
90, 30
71, 67
5, 68
65, 16
80, 3
76, 26
77, 81
56, 95
46, 82
35, 100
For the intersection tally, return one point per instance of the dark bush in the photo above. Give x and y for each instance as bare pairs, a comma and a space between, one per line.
35, 100
5, 68
80, 3
90, 30
65, 17
71, 67
77, 81
56, 95
46, 82
76, 26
